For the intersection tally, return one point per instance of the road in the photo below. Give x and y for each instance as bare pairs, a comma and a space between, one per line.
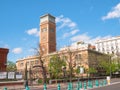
115, 86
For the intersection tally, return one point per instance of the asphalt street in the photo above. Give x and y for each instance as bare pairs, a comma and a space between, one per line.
109, 87
115, 85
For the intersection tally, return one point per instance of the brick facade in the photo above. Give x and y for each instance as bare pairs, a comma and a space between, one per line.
85, 56
48, 34
3, 58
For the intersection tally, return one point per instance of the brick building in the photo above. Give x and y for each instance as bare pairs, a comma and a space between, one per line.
3, 58
82, 54
48, 33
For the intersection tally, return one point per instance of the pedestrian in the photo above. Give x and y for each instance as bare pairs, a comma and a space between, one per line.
26, 83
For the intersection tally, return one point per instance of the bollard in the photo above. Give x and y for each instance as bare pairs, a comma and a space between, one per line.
78, 88
45, 87
85, 86
88, 83
104, 82
69, 87
5, 88
101, 83
58, 86
80, 85
96, 83
91, 84
27, 88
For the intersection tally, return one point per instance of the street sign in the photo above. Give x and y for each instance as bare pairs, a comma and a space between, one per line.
11, 75
81, 70
18, 76
3, 75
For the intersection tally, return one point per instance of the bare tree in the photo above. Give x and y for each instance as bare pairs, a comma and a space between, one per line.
40, 54
70, 60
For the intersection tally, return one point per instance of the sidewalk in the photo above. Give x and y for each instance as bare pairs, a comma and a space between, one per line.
63, 85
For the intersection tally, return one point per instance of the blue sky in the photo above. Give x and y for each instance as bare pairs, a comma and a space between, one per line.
77, 20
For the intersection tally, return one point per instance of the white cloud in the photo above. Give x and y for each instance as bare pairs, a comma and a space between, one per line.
67, 26
31, 50
88, 39
2, 44
33, 31
17, 50
59, 18
93, 40
6, 46
65, 22
73, 32
81, 37
72, 24
114, 13
66, 35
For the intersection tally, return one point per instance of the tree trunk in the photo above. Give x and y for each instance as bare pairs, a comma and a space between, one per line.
70, 74
43, 73
70, 67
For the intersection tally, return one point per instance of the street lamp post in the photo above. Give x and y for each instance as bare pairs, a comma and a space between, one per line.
30, 75
64, 71
110, 62
26, 75
50, 74
110, 66
118, 63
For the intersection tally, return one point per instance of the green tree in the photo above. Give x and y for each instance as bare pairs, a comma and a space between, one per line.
77, 70
118, 63
55, 66
91, 71
11, 66
109, 66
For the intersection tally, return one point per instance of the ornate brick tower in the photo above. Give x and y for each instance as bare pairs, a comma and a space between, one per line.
47, 33
3, 58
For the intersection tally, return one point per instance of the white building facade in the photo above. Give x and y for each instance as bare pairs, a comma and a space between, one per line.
108, 46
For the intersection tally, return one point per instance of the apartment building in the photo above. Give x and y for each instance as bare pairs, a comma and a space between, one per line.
109, 46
